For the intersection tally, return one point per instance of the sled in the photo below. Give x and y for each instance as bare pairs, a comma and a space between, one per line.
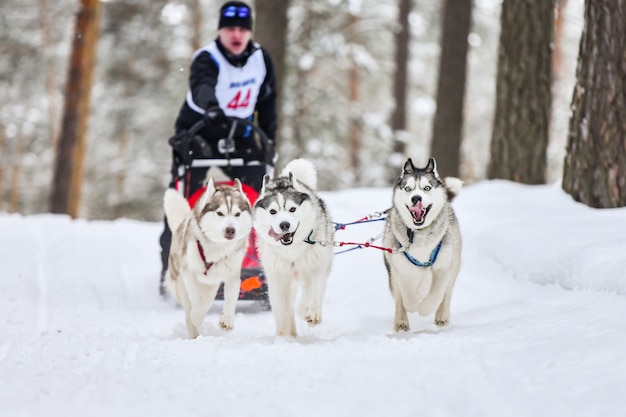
194, 158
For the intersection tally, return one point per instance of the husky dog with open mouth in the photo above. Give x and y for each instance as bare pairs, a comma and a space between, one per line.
423, 232
208, 247
294, 236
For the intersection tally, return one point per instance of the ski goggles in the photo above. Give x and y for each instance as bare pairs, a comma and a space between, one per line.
236, 11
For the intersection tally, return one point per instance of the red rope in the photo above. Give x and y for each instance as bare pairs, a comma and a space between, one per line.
366, 245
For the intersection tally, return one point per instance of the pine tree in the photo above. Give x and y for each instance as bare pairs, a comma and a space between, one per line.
595, 164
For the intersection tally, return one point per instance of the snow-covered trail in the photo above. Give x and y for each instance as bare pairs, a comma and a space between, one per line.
83, 332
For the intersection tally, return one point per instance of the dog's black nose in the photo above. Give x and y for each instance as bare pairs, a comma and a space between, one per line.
415, 199
284, 226
229, 232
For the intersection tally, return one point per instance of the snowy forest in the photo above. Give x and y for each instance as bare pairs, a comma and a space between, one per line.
343, 101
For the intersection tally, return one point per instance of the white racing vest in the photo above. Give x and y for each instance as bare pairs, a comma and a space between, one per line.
237, 88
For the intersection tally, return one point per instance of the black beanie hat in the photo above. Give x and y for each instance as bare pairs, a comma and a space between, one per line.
235, 13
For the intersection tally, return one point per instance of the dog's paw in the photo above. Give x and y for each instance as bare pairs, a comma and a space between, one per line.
312, 317
227, 323
193, 332
401, 326
442, 316
441, 320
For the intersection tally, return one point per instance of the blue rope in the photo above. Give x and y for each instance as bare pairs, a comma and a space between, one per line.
431, 261
341, 226
348, 250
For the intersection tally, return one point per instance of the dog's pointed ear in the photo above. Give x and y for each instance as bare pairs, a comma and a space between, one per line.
238, 186
294, 181
432, 167
299, 186
408, 167
210, 187
208, 193
266, 180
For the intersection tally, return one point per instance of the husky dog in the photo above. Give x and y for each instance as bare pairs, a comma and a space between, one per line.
208, 246
294, 236
424, 234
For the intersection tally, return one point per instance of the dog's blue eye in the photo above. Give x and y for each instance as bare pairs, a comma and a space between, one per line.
427, 188
407, 189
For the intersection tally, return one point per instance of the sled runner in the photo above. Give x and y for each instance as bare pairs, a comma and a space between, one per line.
195, 157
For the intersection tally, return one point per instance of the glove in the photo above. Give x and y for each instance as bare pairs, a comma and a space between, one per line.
214, 115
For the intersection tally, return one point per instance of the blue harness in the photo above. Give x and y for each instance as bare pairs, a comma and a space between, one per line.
431, 260
433, 254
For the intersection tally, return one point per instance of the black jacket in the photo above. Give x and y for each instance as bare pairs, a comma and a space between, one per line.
202, 82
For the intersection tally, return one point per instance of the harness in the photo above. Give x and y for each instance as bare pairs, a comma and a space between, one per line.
433, 255
410, 233
207, 265
431, 259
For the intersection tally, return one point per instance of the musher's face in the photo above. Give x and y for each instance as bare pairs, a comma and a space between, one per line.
235, 38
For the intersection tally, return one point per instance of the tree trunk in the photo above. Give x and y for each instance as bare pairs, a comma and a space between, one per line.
595, 163
68, 166
270, 30
400, 88
523, 92
448, 123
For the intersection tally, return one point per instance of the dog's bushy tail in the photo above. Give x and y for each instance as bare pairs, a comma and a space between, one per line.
303, 170
453, 187
176, 208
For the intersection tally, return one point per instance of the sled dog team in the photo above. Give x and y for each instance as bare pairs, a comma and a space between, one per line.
295, 245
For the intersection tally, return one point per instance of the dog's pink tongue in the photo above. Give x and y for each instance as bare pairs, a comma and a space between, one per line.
417, 210
276, 236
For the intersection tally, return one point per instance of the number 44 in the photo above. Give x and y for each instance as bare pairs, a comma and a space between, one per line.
237, 102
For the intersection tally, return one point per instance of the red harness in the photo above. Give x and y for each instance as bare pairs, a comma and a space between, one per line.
207, 265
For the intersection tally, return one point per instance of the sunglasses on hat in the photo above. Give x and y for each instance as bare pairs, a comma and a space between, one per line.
239, 11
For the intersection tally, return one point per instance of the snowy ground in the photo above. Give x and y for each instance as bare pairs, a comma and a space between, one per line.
538, 323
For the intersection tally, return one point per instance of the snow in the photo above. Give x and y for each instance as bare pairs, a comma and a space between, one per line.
537, 325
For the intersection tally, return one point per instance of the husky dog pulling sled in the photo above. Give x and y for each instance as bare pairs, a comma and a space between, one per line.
295, 237
209, 243
423, 230
196, 160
